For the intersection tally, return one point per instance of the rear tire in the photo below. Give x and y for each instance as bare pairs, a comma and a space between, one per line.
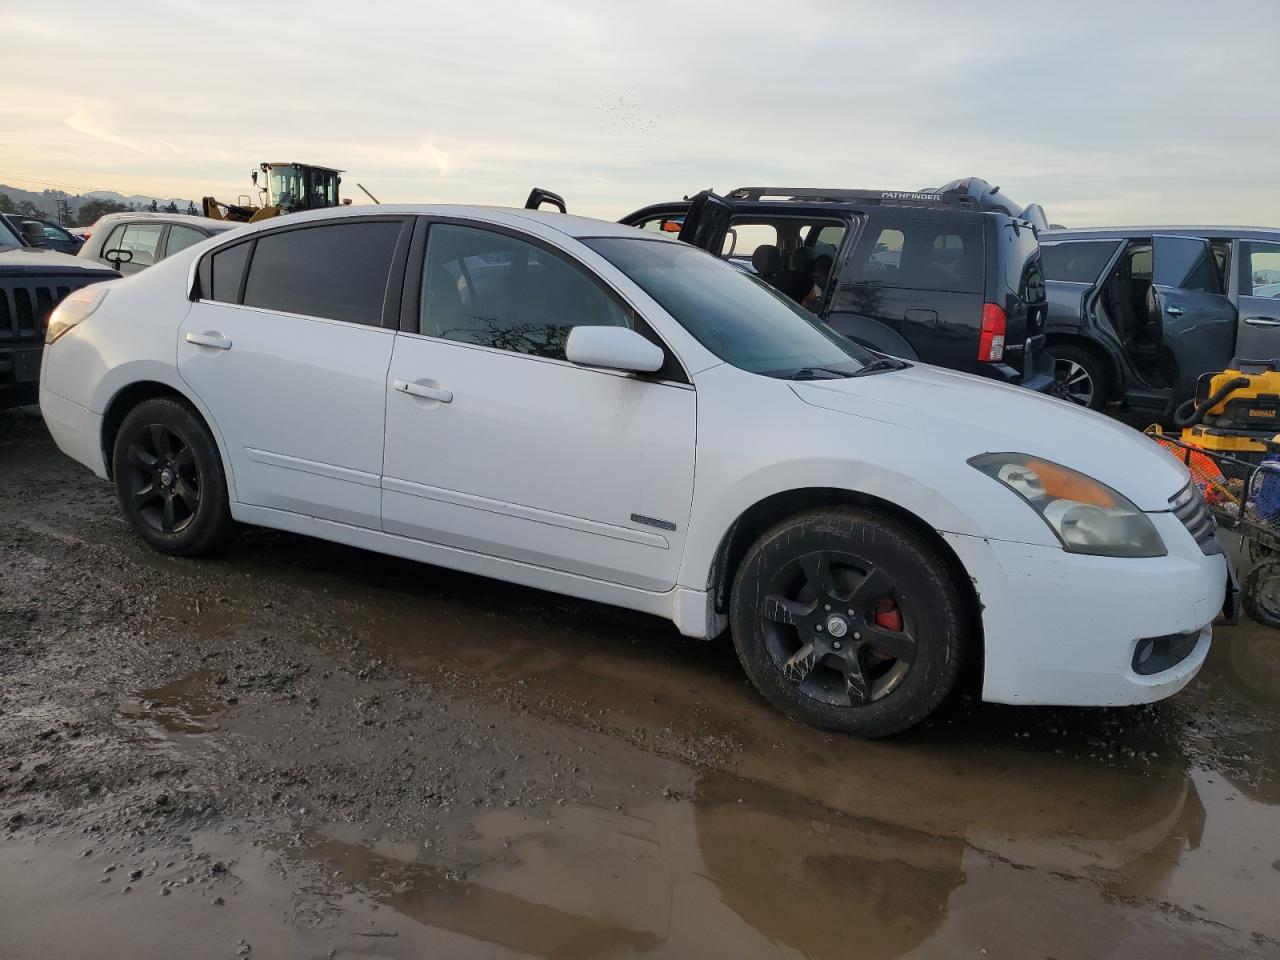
169, 479
1081, 376
849, 621
1261, 593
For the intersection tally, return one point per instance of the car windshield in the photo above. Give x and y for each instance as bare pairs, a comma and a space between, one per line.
7, 237
738, 318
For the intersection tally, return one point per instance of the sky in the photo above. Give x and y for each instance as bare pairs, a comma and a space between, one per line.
1105, 113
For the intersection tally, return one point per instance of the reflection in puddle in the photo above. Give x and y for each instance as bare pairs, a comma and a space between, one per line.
190, 705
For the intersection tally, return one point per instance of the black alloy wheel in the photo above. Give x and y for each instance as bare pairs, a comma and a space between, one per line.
849, 620
162, 482
169, 478
836, 628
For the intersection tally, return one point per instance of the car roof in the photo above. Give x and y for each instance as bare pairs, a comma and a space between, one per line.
202, 223
566, 223
1121, 233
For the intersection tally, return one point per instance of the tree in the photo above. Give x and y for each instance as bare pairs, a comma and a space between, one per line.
6, 204
92, 209
170, 207
28, 209
155, 206
191, 208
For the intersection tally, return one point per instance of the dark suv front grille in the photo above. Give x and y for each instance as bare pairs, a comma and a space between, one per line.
1190, 507
25, 306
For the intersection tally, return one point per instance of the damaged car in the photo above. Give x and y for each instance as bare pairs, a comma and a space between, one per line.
608, 413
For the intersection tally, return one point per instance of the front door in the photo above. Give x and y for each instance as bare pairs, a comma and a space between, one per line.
1258, 335
1189, 316
292, 364
498, 445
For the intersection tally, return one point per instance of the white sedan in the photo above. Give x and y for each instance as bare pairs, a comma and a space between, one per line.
578, 406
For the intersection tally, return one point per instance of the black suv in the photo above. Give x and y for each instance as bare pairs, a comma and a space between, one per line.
1137, 314
32, 281
950, 276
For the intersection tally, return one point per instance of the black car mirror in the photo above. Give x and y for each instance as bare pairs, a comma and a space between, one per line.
33, 233
117, 256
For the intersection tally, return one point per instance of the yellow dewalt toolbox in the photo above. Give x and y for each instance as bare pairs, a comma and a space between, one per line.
1237, 410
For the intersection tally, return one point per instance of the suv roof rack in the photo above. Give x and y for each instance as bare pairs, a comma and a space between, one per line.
969, 193
928, 198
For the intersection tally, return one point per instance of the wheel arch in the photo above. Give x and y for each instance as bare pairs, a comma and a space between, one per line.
1091, 346
132, 394
764, 513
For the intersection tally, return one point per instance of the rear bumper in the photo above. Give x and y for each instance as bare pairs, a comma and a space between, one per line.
1065, 629
75, 429
1031, 368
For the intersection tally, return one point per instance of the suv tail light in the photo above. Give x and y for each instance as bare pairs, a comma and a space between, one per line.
991, 342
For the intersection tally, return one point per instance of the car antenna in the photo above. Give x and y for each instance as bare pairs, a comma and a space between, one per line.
367, 193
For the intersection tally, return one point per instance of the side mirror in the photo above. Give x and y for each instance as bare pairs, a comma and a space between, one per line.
33, 233
117, 256
613, 348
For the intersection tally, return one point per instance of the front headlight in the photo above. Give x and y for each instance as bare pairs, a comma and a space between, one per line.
1087, 516
73, 309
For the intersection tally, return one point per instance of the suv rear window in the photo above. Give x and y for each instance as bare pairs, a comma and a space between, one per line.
1075, 261
921, 255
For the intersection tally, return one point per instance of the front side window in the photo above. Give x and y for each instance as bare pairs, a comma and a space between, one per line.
493, 290
740, 319
337, 271
1261, 270
56, 233
922, 255
7, 237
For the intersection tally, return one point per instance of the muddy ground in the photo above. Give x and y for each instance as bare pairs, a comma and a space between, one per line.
305, 750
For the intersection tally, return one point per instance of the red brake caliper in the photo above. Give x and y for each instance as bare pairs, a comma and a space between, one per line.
888, 615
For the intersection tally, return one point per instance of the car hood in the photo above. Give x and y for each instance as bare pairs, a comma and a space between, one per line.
35, 262
970, 416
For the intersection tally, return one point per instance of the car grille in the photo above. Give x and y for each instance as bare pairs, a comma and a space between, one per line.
25, 307
1190, 507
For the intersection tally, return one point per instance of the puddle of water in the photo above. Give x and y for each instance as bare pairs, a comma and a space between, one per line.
191, 705
739, 870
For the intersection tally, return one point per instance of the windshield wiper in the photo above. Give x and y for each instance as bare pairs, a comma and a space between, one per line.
816, 373
881, 365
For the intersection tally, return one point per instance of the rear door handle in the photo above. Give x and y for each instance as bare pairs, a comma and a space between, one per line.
1262, 321
211, 339
1173, 311
424, 391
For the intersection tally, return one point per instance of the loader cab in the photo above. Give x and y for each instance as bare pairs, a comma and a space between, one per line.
298, 186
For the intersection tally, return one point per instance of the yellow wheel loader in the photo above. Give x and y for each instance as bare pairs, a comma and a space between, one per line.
286, 188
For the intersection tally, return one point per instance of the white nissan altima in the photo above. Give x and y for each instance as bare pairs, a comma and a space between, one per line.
585, 408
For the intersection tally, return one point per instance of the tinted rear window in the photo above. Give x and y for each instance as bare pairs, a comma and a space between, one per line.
228, 267
338, 271
1075, 261
921, 255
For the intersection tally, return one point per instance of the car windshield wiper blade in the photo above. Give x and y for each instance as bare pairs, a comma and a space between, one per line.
816, 373
881, 365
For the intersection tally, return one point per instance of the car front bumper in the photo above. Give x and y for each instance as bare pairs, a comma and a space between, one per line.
1070, 630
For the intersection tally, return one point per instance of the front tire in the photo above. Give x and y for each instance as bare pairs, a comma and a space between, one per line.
169, 479
849, 621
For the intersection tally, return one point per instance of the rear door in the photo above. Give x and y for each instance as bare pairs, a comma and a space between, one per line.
1195, 321
1258, 335
291, 359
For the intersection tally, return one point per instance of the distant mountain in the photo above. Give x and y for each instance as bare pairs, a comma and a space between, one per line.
49, 203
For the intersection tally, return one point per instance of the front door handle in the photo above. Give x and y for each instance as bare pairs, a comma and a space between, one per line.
424, 391
210, 339
1262, 321
1173, 311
